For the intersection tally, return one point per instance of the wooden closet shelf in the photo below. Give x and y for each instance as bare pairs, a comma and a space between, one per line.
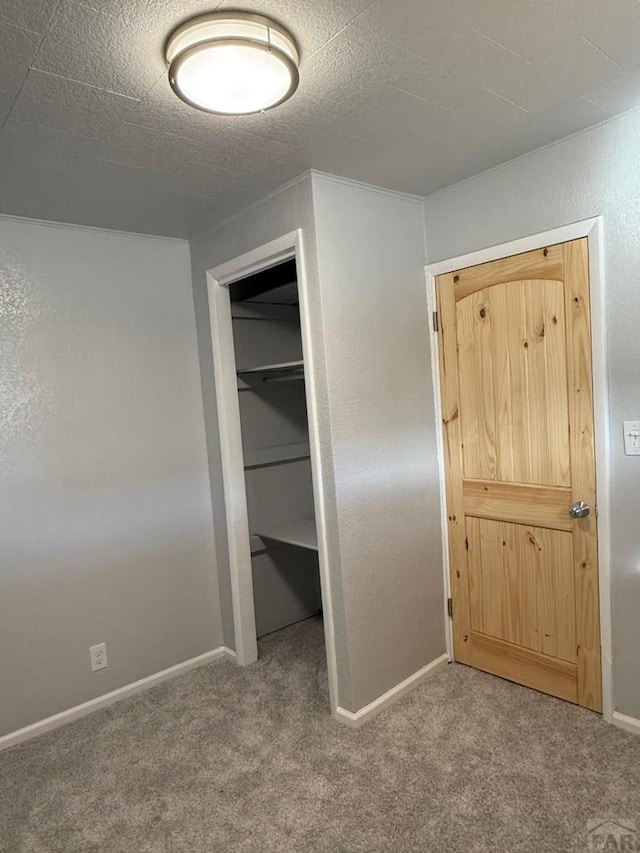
276, 455
301, 533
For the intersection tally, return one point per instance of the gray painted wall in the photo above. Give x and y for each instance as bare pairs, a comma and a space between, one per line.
104, 499
373, 387
375, 325
595, 172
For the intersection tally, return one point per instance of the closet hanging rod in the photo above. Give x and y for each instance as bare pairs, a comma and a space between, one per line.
294, 377
256, 384
301, 533
278, 455
281, 367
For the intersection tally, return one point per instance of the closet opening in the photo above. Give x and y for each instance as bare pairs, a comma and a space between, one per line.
270, 370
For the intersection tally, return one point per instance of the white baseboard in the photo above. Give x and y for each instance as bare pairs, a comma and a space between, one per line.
629, 724
106, 699
357, 718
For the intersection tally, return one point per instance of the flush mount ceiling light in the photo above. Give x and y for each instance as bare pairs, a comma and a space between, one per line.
232, 63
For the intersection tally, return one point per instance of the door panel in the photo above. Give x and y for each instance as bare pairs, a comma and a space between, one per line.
515, 362
521, 586
513, 383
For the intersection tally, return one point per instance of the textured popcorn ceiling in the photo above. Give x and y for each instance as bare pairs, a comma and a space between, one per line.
408, 94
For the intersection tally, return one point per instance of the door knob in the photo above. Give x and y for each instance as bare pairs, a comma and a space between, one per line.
580, 509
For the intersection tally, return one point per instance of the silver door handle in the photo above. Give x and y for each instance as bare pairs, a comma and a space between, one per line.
580, 509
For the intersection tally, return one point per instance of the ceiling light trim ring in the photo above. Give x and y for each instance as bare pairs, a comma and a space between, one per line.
228, 18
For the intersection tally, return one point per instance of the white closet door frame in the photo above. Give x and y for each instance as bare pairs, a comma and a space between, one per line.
224, 363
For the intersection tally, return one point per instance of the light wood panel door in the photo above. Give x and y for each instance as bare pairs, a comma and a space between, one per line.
517, 404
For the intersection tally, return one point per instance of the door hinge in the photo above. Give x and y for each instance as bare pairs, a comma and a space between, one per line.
450, 607
434, 317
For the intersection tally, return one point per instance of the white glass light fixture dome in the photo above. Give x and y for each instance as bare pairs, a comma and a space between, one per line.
232, 63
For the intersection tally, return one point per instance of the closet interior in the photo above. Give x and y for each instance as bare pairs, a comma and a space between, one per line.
275, 441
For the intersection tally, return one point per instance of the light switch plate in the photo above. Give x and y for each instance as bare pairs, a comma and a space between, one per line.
631, 438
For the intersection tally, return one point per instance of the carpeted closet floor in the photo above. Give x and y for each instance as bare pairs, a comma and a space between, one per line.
227, 759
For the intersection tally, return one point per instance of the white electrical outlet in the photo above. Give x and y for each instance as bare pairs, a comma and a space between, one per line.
631, 438
98, 657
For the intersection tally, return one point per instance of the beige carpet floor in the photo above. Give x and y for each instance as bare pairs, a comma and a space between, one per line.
226, 759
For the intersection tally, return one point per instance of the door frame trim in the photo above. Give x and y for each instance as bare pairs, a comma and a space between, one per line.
594, 231
219, 278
